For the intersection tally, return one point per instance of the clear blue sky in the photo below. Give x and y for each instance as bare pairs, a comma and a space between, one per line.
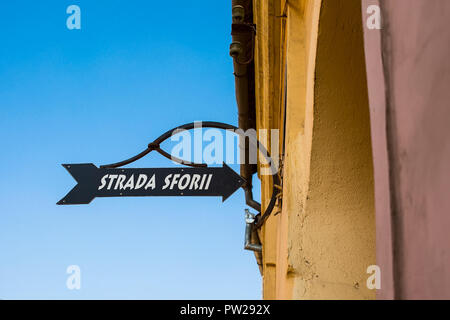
100, 94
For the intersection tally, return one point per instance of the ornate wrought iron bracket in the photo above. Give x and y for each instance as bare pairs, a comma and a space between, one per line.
155, 146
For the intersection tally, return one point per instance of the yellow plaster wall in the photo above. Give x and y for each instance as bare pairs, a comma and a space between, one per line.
268, 93
323, 240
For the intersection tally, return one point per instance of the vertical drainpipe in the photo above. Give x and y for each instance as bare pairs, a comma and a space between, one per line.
242, 50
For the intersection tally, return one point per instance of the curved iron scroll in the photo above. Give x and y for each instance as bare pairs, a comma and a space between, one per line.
155, 146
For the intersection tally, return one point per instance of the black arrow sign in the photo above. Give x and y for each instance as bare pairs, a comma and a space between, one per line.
130, 182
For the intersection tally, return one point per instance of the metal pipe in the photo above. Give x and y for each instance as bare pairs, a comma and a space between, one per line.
249, 223
242, 51
250, 201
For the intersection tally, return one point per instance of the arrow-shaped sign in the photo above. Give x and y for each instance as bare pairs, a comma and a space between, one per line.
132, 182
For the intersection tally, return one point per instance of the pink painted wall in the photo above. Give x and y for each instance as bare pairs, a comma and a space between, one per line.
408, 73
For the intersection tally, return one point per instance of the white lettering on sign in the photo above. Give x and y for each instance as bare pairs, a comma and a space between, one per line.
141, 181
151, 183
174, 180
112, 177
122, 183
190, 181
171, 181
